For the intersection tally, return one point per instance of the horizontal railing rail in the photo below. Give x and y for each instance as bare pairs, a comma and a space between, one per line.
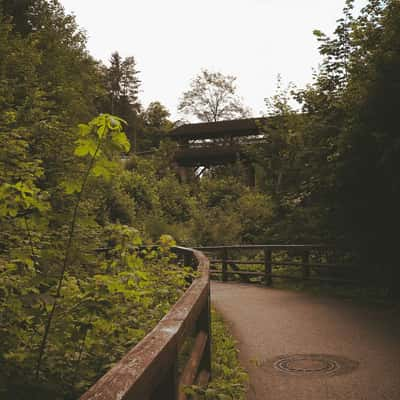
266, 246
296, 262
149, 371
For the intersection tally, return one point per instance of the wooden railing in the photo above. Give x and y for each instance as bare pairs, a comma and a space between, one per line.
150, 370
296, 262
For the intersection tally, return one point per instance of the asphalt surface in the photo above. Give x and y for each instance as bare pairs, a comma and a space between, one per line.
363, 340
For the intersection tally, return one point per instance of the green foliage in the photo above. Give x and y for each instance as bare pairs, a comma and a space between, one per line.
330, 171
103, 135
61, 303
243, 213
352, 114
67, 310
189, 211
155, 123
229, 378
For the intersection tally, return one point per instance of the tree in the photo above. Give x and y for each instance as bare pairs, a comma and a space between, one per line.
123, 82
123, 87
19, 10
65, 308
212, 97
156, 115
155, 122
352, 132
369, 192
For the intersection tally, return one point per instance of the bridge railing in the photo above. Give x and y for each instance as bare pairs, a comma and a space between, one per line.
223, 142
295, 262
150, 370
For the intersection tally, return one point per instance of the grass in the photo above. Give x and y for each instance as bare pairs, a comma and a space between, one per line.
229, 379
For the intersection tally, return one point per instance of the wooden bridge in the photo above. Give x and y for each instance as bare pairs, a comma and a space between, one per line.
217, 143
333, 367
204, 145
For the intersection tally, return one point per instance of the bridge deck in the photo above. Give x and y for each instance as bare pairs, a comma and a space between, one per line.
269, 323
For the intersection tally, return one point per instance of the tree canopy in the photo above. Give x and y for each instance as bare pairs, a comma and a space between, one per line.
212, 97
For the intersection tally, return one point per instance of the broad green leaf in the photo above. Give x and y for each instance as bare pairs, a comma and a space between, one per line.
81, 151
71, 187
101, 170
121, 141
85, 147
84, 129
102, 131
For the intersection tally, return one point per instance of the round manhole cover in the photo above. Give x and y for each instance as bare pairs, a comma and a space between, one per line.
313, 364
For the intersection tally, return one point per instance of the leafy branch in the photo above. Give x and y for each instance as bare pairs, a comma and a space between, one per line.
102, 136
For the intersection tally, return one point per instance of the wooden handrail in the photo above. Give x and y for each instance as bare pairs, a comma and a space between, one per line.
283, 263
307, 264
149, 370
266, 246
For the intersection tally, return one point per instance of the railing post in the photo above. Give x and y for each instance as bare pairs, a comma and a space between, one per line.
168, 389
204, 324
188, 262
267, 267
187, 259
305, 261
224, 265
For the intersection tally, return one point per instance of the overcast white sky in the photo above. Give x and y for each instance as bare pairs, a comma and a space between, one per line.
172, 40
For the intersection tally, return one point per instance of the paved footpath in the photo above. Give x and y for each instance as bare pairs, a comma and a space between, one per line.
360, 344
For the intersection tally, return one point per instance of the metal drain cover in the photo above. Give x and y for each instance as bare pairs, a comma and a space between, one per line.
313, 364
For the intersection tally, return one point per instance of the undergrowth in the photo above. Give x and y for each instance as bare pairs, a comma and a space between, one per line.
229, 379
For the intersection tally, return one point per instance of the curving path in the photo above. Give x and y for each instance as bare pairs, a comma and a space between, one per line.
269, 323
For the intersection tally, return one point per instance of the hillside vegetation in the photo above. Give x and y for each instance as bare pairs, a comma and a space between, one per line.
68, 311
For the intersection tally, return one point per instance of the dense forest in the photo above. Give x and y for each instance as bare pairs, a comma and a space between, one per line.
327, 173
